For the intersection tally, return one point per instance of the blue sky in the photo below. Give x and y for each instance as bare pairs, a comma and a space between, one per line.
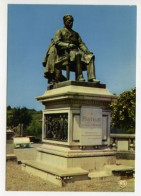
108, 31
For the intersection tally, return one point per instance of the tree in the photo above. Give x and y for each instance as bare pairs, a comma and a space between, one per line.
123, 111
19, 116
34, 129
9, 107
28, 120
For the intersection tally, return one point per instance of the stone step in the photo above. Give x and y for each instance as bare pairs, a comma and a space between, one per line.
98, 174
109, 170
119, 170
76, 171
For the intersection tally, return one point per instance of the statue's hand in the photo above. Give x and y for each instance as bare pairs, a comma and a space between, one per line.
72, 46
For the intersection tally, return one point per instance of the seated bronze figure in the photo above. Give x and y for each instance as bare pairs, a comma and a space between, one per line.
68, 52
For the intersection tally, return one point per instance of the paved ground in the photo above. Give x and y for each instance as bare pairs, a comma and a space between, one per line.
18, 180
26, 153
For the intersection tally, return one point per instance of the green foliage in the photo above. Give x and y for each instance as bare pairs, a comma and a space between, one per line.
19, 116
123, 111
31, 120
35, 127
9, 118
9, 107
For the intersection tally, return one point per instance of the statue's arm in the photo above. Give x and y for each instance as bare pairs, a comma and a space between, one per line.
58, 41
61, 44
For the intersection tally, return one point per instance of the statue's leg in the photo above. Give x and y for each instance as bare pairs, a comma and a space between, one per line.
91, 71
51, 78
68, 72
67, 66
59, 77
76, 74
78, 67
57, 74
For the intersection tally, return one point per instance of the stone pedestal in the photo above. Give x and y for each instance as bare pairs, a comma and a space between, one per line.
77, 115
76, 133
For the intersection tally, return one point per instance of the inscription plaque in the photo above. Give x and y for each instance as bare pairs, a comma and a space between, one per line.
91, 126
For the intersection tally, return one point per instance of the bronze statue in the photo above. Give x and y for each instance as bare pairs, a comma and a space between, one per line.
68, 52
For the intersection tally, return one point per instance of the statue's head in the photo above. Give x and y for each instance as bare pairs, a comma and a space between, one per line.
68, 21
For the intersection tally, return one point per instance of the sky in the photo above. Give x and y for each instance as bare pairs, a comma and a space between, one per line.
108, 31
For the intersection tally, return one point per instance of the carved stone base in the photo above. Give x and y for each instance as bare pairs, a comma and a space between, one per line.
61, 165
76, 114
76, 133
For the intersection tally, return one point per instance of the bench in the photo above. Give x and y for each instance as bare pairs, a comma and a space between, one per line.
23, 142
